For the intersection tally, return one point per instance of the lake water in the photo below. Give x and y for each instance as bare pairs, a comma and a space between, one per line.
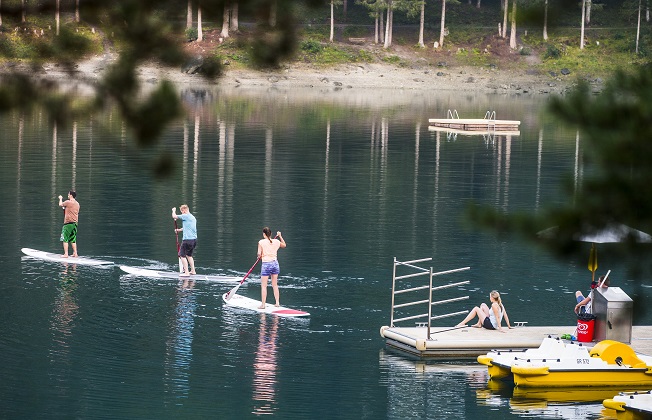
352, 179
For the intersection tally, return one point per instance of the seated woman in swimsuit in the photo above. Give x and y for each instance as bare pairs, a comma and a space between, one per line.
488, 318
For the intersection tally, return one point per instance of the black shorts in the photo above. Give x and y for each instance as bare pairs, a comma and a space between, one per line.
487, 324
187, 247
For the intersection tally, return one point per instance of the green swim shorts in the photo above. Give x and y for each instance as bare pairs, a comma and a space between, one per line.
69, 233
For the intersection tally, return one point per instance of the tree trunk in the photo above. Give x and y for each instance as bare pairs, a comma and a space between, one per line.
272, 14
376, 29
390, 26
588, 11
235, 24
344, 7
638, 27
582, 26
478, 4
512, 31
56, 16
332, 21
382, 26
77, 11
545, 21
506, 9
0, 12
189, 15
443, 24
23, 12
421, 23
388, 41
224, 33
647, 10
200, 32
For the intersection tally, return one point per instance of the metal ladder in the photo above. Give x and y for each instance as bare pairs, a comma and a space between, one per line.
420, 271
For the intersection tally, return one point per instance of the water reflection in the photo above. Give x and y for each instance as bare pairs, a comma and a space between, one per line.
64, 312
265, 367
178, 346
65, 306
53, 178
539, 152
553, 403
267, 180
424, 389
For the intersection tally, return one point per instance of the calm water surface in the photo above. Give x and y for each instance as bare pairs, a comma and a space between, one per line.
351, 180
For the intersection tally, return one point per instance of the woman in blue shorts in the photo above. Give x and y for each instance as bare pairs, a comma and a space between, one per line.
267, 252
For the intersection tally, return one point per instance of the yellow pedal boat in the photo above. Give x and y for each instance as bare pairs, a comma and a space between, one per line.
559, 364
499, 362
631, 405
610, 363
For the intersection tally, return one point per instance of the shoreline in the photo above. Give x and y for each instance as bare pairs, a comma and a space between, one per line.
368, 76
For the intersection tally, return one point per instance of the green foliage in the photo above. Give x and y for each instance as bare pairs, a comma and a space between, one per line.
392, 59
552, 51
191, 33
331, 55
311, 46
32, 42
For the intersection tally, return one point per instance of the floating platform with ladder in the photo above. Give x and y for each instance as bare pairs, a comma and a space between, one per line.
419, 338
488, 124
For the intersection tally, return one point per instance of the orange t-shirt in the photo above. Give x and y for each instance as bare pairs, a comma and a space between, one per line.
269, 249
71, 211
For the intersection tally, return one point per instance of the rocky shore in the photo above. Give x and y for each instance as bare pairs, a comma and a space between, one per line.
353, 76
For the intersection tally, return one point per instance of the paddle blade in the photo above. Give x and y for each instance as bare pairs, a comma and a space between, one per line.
593, 259
231, 292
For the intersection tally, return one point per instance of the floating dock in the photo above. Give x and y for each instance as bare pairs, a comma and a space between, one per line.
475, 124
413, 300
487, 124
470, 342
486, 131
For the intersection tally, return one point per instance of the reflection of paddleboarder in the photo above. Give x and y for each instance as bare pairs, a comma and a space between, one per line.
265, 367
70, 219
267, 250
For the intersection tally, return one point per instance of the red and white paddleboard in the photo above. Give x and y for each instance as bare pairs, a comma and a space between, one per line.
244, 302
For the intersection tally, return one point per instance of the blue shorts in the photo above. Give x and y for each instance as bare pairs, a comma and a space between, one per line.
269, 268
582, 308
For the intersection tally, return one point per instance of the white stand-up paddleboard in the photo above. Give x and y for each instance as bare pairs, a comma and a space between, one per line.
49, 256
145, 272
244, 302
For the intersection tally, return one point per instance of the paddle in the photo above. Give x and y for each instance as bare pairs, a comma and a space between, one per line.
605, 278
178, 246
235, 289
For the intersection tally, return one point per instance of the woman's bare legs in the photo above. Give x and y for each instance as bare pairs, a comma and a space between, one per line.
275, 287
263, 291
475, 312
